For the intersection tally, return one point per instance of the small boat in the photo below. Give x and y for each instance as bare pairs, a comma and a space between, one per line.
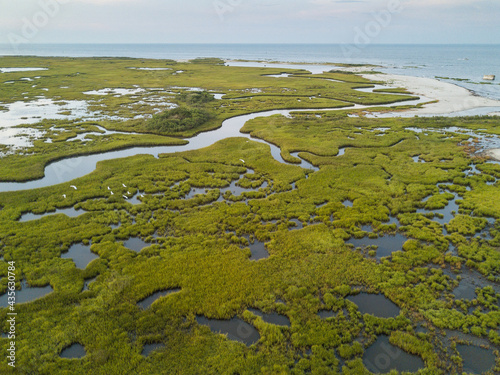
489, 77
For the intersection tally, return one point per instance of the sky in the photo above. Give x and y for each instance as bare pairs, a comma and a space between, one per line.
250, 21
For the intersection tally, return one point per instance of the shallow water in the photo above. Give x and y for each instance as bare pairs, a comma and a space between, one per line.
149, 348
375, 304
258, 250
19, 113
298, 224
348, 203
136, 244
476, 360
71, 168
325, 314
70, 212
80, 254
235, 329
147, 302
382, 357
26, 294
87, 283
447, 212
386, 244
75, 351
272, 318
14, 70
19, 137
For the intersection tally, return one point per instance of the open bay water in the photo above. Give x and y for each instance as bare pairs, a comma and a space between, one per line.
464, 65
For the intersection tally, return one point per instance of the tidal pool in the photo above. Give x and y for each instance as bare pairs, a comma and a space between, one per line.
69, 212
298, 224
258, 250
136, 244
80, 254
447, 212
149, 348
348, 203
375, 304
476, 360
272, 318
325, 314
147, 302
235, 329
386, 244
87, 283
75, 167
19, 113
15, 70
75, 351
26, 294
382, 357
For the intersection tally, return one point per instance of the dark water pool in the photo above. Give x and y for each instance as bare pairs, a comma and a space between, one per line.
382, 357
375, 304
87, 283
272, 318
26, 294
386, 245
70, 212
258, 250
235, 329
147, 302
80, 254
149, 348
476, 360
75, 351
325, 314
136, 244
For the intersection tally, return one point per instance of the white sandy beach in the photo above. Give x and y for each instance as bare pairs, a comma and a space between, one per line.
451, 98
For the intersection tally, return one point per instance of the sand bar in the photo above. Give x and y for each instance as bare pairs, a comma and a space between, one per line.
452, 98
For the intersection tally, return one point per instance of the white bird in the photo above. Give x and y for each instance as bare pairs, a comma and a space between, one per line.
124, 185
64, 195
128, 192
112, 193
109, 188
142, 195
74, 187
125, 197
242, 160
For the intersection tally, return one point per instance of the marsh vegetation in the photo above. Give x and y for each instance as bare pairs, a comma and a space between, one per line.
171, 281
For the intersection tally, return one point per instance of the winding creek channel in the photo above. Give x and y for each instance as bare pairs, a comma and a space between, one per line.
71, 168
236, 329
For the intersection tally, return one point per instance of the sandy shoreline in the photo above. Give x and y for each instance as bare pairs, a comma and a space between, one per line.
451, 98
493, 153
